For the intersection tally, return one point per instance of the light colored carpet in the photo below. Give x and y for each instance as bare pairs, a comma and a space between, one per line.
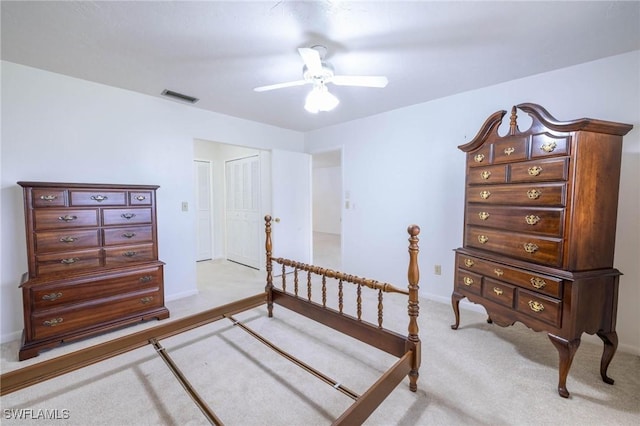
481, 374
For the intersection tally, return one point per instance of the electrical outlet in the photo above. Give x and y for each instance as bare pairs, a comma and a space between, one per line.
437, 269
185, 206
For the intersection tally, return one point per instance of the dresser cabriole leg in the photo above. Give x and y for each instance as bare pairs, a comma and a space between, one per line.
455, 303
566, 350
610, 340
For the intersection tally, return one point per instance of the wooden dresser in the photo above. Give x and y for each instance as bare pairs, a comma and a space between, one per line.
539, 229
93, 261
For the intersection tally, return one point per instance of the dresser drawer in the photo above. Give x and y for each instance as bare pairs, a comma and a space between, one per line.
69, 218
540, 307
91, 313
71, 239
545, 145
543, 195
122, 255
542, 221
469, 281
140, 198
126, 216
527, 279
488, 174
81, 290
481, 157
556, 169
128, 235
499, 292
510, 150
98, 198
544, 251
43, 197
68, 261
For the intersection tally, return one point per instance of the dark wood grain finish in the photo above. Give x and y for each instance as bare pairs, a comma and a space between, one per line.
93, 261
539, 231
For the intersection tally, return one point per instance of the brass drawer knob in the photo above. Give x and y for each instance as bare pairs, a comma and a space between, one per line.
69, 261
483, 215
468, 263
536, 306
52, 296
141, 198
145, 279
485, 194
534, 194
67, 218
67, 239
510, 150
99, 198
129, 253
538, 283
483, 239
478, 158
48, 197
485, 174
530, 248
532, 219
548, 147
497, 291
52, 322
146, 300
534, 171
499, 272
128, 215
129, 235
467, 281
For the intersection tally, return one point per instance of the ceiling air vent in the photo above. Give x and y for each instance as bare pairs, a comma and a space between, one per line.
179, 96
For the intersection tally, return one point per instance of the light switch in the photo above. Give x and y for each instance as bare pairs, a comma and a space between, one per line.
185, 206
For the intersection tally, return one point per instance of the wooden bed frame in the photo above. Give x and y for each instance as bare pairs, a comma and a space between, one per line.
405, 348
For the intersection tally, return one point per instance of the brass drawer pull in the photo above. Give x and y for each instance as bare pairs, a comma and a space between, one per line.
67, 239
129, 234
129, 253
146, 300
141, 198
67, 218
52, 296
467, 281
69, 260
485, 174
99, 198
483, 239
532, 219
538, 283
485, 194
145, 279
483, 215
497, 291
468, 263
128, 215
548, 147
509, 151
52, 322
534, 194
530, 248
478, 158
499, 272
534, 171
536, 306
48, 197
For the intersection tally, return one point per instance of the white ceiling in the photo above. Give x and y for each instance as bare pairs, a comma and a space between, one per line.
219, 51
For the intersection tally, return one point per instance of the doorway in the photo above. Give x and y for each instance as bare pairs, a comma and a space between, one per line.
327, 209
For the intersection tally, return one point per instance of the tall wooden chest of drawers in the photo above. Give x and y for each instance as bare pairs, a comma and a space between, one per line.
92, 259
539, 229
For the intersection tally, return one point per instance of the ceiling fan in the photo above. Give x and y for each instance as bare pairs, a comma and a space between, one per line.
319, 73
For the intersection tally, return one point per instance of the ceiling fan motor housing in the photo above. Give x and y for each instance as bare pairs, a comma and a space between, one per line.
318, 78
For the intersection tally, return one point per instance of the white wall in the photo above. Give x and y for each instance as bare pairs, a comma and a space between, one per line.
62, 129
403, 167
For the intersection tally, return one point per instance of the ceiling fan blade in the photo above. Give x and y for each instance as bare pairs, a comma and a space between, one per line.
280, 86
311, 59
360, 80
